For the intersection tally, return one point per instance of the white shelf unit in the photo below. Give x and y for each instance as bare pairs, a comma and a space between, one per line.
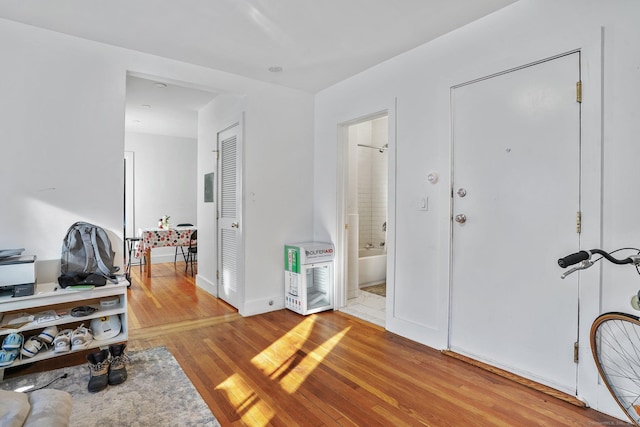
49, 296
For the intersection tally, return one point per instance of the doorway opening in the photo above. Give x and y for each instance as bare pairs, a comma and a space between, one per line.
161, 156
366, 172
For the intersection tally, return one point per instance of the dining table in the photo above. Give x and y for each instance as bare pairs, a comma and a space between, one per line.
156, 237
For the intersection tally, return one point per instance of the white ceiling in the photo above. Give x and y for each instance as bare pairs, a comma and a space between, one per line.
160, 108
316, 42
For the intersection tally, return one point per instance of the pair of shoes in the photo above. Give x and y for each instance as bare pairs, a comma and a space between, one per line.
107, 370
62, 341
81, 338
11, 346
36, 343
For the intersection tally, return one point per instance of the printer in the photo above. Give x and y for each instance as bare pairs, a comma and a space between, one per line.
17, 276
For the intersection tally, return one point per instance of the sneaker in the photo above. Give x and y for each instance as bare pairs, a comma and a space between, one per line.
99, 368
81, 338
13, 341
48, 335
7, 357
62, 341
117, 370
32, 346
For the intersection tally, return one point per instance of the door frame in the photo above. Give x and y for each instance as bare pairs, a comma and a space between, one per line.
342, 169
129, 194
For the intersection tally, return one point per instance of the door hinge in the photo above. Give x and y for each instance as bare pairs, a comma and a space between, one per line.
217, 274
578, 222
576, 347
579, 91
346, 226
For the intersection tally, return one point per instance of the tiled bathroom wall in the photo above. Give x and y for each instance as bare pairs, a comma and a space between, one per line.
372, 188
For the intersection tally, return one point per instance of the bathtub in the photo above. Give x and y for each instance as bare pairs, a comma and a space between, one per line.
372, 266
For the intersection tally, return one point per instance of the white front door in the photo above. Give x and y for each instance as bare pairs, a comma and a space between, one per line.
516, 163
230, 248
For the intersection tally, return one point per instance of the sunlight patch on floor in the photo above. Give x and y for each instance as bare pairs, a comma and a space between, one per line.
253, 410
286, 362
294, 379
276, 358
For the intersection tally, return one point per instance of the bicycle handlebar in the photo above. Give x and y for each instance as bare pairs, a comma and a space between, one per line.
573, 259
586, 255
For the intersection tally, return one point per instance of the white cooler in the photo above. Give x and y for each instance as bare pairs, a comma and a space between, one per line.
308, 277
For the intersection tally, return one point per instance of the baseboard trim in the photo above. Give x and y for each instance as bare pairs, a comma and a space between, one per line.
518, 379
206, 285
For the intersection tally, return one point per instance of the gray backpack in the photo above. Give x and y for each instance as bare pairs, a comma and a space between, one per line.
86, 249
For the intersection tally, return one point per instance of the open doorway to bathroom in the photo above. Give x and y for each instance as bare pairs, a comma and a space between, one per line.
366, 185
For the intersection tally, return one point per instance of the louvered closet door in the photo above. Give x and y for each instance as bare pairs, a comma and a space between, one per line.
229, 221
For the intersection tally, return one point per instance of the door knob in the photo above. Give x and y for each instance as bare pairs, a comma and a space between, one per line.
461, 218
234, 225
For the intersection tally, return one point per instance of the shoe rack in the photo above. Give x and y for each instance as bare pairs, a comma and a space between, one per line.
50, 297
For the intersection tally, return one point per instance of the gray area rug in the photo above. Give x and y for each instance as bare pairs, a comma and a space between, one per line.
156, 393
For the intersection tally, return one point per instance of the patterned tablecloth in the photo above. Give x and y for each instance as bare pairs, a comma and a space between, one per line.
158, 237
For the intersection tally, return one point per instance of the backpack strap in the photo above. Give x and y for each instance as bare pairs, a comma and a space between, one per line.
88, 247
98, 256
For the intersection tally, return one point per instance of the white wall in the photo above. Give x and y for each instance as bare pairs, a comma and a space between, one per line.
278, 176
62, 144
61, 141
165, 182
414, 87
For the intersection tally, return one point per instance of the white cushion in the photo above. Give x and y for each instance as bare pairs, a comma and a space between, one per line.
14, 408
51, 408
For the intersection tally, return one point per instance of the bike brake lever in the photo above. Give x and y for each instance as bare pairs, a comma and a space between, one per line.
636, 259
584, 264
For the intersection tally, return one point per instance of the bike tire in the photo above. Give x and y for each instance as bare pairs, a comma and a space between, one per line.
615, 345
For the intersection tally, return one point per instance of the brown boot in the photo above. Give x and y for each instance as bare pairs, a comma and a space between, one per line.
99, 367
117, 370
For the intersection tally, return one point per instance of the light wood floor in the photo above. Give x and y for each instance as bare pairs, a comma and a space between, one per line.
328, 369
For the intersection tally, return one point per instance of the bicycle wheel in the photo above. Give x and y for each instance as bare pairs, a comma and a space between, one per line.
615, 344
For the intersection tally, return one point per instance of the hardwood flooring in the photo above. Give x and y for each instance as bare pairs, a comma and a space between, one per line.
327, 369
